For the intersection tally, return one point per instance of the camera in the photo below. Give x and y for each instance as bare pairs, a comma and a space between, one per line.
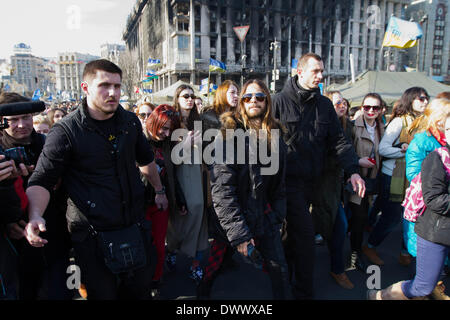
17, 154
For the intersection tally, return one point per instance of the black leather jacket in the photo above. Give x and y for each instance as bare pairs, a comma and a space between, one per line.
101, 177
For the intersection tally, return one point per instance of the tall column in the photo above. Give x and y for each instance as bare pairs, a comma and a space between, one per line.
219, 42
337, 40
254, 33
364, 38
205, 28
372, 44
355, 34
231, 55
381, 32
298, 28
397, 13
192, 41
318, 36
277, 31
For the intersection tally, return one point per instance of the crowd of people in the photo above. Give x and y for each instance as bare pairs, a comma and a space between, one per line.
118, 192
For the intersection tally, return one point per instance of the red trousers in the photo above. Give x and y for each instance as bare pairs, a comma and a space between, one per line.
159, 220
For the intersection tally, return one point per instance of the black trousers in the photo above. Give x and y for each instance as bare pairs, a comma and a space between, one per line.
271, 248
298, 241
102, 284
357, 222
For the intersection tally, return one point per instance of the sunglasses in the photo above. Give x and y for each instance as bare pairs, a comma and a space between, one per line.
259, 97
171, 113
375, 108
144, 115
423, 98
187, 96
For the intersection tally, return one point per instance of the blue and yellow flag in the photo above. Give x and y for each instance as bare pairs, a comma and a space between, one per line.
216, 66
401, 33
36, 95
153, 63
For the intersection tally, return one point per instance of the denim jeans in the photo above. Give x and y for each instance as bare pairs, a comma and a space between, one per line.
391, 214
336, 243
429, 265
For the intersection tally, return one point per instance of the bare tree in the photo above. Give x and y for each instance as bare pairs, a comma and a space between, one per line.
128, 62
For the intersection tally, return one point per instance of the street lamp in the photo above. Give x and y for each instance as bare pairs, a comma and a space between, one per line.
275, 73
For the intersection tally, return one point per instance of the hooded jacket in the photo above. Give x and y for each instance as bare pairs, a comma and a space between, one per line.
313, 130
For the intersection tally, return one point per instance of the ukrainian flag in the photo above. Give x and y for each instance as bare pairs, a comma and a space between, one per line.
215, 65
153, 63
401, 33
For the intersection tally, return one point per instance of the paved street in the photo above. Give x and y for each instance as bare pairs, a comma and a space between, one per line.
248, 283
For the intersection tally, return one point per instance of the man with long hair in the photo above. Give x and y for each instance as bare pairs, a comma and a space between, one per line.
251, 206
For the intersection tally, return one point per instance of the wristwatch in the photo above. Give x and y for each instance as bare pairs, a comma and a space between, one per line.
162, 191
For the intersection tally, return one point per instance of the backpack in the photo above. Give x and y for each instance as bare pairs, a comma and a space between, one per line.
413, 202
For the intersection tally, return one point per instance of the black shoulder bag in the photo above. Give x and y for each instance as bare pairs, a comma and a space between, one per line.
123, 250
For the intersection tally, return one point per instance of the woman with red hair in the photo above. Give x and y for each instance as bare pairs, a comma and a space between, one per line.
159, 126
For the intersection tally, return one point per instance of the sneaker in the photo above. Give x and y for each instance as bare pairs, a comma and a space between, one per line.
405, 259
372, 255
356, 261
171, 261
342, 280
196, 274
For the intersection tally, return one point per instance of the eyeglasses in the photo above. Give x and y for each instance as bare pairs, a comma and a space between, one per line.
171, 113
187, 96
423, 98
144, 115
375, 108
259, 97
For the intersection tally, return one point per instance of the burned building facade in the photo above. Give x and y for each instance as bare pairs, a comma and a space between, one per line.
185, 34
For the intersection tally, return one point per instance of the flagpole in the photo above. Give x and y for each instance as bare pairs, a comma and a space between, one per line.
418, 54
209, 76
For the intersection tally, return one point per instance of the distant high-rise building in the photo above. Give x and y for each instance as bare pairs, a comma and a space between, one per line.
432, 55
112, 52
27, 69
69, 73
185, 34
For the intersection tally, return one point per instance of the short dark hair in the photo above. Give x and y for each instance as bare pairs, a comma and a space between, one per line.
12, 97
305, 58
90, 70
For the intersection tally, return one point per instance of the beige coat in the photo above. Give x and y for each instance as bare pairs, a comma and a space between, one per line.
363, 146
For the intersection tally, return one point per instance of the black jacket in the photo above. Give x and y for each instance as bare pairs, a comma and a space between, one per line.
101, 176
241, 195
434, 224
9, 202
313, 130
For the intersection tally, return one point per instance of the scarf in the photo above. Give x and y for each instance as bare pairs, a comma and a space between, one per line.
440, 136
8, 142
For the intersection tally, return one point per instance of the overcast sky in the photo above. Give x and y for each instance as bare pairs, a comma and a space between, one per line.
50, 26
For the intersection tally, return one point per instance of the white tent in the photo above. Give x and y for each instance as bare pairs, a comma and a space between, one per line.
390, 85
166, 95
